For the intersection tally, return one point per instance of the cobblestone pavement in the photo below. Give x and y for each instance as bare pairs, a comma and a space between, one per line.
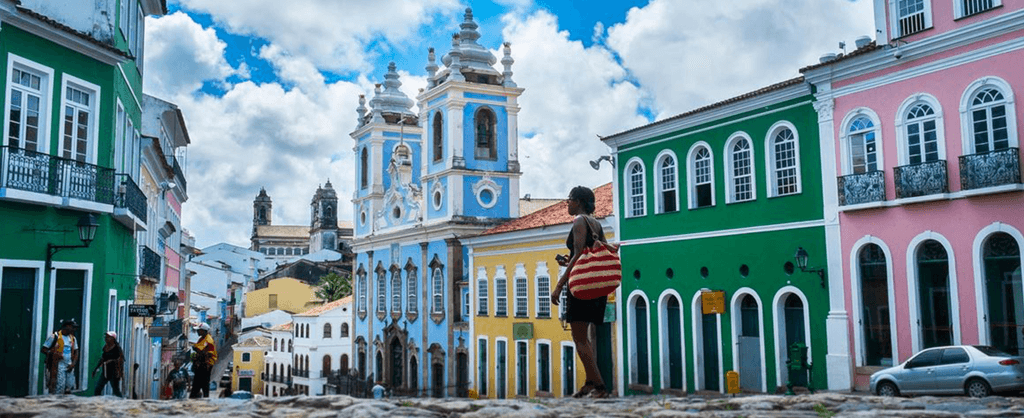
818, 405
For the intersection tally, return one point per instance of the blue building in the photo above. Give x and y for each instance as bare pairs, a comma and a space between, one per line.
423, 182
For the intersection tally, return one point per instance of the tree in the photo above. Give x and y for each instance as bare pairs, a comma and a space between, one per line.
333, 286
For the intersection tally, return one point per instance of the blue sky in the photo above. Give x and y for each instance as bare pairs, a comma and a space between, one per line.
269, 88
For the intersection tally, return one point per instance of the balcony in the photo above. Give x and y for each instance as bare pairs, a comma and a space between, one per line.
300, 373
990, 169
149, 263
921, 179
180, 175
34, 177
858, 189
130, 204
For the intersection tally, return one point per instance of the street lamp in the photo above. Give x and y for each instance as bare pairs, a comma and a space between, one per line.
596, 164
87, 225
801, 262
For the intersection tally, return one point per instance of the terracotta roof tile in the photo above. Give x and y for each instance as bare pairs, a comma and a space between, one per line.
282, 327
326, 307
557, 214
528, 206
857, 52
255, 342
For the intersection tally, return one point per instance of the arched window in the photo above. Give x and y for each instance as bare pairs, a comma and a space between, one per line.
989, 128
326, 364
863, 145
344, 330
396, 290
263, 214
543, 296
1002, 275
412, 278
382, 289
275, 344
291, 349
522, 297
438, 137
739, 169
500, 292
635, 190
362, 291
485, 125
784, 168
702, 186
668, 181
437, 292
922, 134
481, 291
327, 331
874, 292
363, 168
934, 306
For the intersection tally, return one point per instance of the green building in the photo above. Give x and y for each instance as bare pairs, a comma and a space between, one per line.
719, 199
70, 154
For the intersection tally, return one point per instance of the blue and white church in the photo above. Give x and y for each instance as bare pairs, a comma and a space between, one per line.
424, 181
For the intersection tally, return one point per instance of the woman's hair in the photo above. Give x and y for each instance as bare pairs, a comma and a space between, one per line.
585, 197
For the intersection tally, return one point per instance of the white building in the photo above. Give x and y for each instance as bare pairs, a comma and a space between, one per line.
219, 269
323, 345
279, 360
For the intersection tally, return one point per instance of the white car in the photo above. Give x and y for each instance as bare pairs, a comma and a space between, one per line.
977, 370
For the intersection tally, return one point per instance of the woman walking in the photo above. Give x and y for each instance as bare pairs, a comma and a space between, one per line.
111, 361
580, 314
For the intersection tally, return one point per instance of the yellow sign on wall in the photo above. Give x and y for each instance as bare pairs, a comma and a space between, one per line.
712, 302
732, 381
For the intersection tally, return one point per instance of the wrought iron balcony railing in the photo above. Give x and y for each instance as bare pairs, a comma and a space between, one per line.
180, 174
994, 168
855, 189
37, 172
149, 262
130, 196
300, 373
921, 179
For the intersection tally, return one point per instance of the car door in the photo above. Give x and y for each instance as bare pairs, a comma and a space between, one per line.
952, 370
918, 374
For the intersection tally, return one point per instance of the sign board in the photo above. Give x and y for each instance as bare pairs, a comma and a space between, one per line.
712, 302
138, 310
522, 331
246, 373
732, 381
159, 331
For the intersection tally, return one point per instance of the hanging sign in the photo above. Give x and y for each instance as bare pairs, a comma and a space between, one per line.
712, 302
139, 310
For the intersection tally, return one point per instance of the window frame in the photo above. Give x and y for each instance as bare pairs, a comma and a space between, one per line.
691, 178
772, 185
500, 302
482, 293
540, 371
543, 292
844, 138
436, 291
627, 185
46, 75
730, 167
437, 131
659, 183
246, 357
396, 291
958, 9
903, 124
966, 119
412, 287
382, 290
95, 93
894, 13
522, 303
328, 331
492, 146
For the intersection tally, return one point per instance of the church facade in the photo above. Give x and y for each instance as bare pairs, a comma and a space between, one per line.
424, 181
285, 242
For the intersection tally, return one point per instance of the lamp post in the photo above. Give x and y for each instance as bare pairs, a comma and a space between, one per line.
801, 262
87, 225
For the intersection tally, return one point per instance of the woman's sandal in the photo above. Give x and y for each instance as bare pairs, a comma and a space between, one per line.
600, 391
585, 390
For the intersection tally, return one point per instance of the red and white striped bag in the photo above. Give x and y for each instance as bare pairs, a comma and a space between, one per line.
597, 272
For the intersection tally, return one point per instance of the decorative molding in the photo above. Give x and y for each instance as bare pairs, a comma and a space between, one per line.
726, 232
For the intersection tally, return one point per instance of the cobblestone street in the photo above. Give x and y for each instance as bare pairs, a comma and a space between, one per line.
818, 405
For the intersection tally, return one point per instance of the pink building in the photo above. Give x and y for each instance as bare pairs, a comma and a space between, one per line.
923, 201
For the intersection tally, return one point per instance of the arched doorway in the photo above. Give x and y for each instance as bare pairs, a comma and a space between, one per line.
397, 361
707, 346
749, 344
933, 297
640, 357
672, 343
462, 378
413, 376
343, 364
1003, 288
437, 380
876, 332
379, 375
793, 314
326, 370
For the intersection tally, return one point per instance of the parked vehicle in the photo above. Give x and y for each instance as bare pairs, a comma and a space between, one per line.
976, 370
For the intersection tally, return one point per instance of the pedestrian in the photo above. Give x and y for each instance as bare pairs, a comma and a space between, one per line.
581, 314
61, 350
112, 362
378, 391
204, 356
178, 378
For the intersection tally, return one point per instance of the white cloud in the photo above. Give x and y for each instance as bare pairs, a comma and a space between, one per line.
688, 54
332, 35
180, 55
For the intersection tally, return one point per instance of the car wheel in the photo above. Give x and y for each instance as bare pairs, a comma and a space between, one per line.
977, 388
888, 388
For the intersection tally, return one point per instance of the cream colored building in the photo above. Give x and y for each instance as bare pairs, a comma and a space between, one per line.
286, 294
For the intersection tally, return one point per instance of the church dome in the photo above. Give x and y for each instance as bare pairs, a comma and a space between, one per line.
473, 56
391, 99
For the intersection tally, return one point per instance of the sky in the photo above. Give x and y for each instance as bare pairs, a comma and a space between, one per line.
269, 88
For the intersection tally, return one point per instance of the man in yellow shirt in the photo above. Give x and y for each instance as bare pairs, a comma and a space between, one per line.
204, 356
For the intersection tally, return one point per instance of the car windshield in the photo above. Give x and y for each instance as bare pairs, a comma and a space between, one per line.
991, 351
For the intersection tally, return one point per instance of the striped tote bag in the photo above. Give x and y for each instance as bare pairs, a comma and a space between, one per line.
597, 272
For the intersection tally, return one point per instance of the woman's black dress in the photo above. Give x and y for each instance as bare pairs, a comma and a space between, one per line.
577, 310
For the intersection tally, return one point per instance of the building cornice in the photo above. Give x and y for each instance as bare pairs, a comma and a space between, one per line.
542, 233
38, 25
420, 233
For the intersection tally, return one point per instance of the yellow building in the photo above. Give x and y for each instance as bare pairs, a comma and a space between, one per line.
249, 360
520, 347
287, 294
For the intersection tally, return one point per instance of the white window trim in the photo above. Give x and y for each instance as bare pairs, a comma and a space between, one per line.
737, 328
692, 178
659, 206
243, 357
486, 359
46, 102
894, 18
844, 139
527, 367
483, 305
125, 7
436, 276
902, 139
730, 195
696, 316
631, 338
541, 299
94, 109
551, 366
628, 186
37, 317
563, 376
958, 8
967, 128
663, 337
520, 274
503, 381
978, 249
382, 292
778, 318
500, 275
769, 153
412, 284
85, 323
913, 289
396, 294
858, 298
